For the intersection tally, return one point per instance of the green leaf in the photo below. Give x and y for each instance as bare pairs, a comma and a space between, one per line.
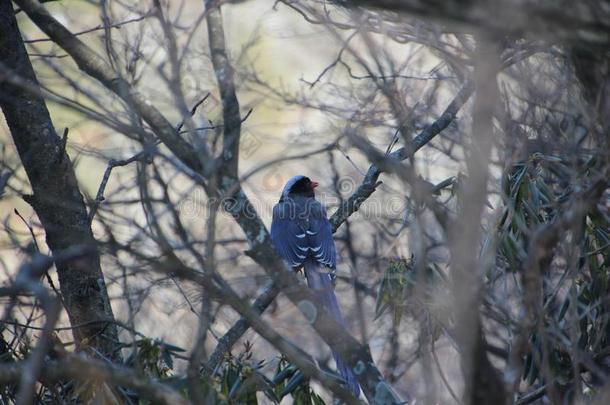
393, 288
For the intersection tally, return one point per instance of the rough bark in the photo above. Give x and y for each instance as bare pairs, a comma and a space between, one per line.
56, 196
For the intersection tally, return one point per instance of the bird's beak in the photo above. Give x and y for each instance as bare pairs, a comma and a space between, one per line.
314, 184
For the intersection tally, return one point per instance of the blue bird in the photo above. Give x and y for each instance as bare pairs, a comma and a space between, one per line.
303, 237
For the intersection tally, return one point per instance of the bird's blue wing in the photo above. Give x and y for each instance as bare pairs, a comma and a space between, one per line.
287, 234
320, 238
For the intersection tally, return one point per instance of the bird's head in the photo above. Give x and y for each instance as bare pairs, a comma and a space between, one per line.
299, 186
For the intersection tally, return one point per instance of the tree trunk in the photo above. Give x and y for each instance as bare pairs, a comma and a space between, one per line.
56, 197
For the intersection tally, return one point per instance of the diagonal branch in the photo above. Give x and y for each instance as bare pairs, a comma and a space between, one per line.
369, 184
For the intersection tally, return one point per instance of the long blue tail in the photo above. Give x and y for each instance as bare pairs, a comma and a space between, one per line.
321, 282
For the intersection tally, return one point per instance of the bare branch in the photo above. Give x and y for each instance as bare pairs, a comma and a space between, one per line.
95, 66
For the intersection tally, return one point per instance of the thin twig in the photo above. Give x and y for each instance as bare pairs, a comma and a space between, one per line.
96, 28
